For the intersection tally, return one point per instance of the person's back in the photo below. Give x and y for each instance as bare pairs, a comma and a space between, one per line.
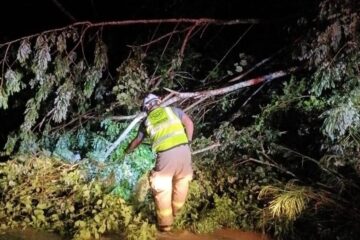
165, 129
170, 131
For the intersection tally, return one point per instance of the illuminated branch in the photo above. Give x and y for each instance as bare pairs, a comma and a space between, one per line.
176, 96
208, 93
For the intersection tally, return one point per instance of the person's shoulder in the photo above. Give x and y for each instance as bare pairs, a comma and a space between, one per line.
178, 112
176, 109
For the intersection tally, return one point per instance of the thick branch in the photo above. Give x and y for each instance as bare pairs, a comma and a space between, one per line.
175, 96
124, 134
228, 89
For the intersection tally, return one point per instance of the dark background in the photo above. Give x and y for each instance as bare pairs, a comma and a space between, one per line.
19, 18
22, 17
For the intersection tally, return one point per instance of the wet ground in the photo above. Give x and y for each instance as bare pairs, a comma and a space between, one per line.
224, 234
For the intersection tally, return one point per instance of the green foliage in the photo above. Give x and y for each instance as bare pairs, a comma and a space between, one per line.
13, 81
132, 80
91, 146
289, 203
55, 71
224, 191
62, 101
94, 74
67, 94
45, 193
221, 216
338, 120
24, 51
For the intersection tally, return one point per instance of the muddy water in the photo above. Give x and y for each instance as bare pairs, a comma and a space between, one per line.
29, 234
224, 234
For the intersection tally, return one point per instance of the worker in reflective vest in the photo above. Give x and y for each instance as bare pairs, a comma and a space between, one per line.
170, 131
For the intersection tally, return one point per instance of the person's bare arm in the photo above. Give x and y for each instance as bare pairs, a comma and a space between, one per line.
189, 126
135, 143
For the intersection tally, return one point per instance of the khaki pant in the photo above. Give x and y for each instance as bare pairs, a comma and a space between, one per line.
170, 182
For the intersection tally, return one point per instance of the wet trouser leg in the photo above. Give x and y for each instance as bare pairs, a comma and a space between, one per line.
162, 191
180, 190
169, 182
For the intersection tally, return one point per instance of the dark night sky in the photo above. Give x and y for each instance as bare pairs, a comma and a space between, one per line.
21, 17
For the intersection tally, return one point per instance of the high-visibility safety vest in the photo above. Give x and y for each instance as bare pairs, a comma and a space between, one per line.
165, 129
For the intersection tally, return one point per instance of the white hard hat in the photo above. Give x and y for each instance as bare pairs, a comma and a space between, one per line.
149, 99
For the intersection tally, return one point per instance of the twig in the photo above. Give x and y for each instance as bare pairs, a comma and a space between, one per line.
161, 38
43, 120
120, 118
76, 118
159, 78
238, 112
327, 170
256, 66
230, 49
202, 21
66, 12
273, 165
186, 39
153, 35
206, 149
3, 66
195, 104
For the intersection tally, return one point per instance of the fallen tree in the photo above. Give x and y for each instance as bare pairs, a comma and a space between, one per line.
288, 162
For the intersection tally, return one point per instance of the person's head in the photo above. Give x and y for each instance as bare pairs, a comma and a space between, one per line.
150, 101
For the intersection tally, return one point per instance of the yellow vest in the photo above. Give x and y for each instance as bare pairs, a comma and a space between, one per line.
165, 129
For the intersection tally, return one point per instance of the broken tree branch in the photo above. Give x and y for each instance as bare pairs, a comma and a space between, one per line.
228, 89
175, 96
203, 94
123, 135
206, 148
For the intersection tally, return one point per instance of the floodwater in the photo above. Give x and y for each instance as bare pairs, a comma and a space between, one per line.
224, 234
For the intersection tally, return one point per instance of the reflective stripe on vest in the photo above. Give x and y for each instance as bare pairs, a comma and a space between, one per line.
165, 129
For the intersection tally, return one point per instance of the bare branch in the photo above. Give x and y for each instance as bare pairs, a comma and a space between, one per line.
161, 38
186, 39
231, 48
120, 118
195, 104
206, 149
175, 96
228, 89
124, 134
200, 21
256, 66
279, 167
